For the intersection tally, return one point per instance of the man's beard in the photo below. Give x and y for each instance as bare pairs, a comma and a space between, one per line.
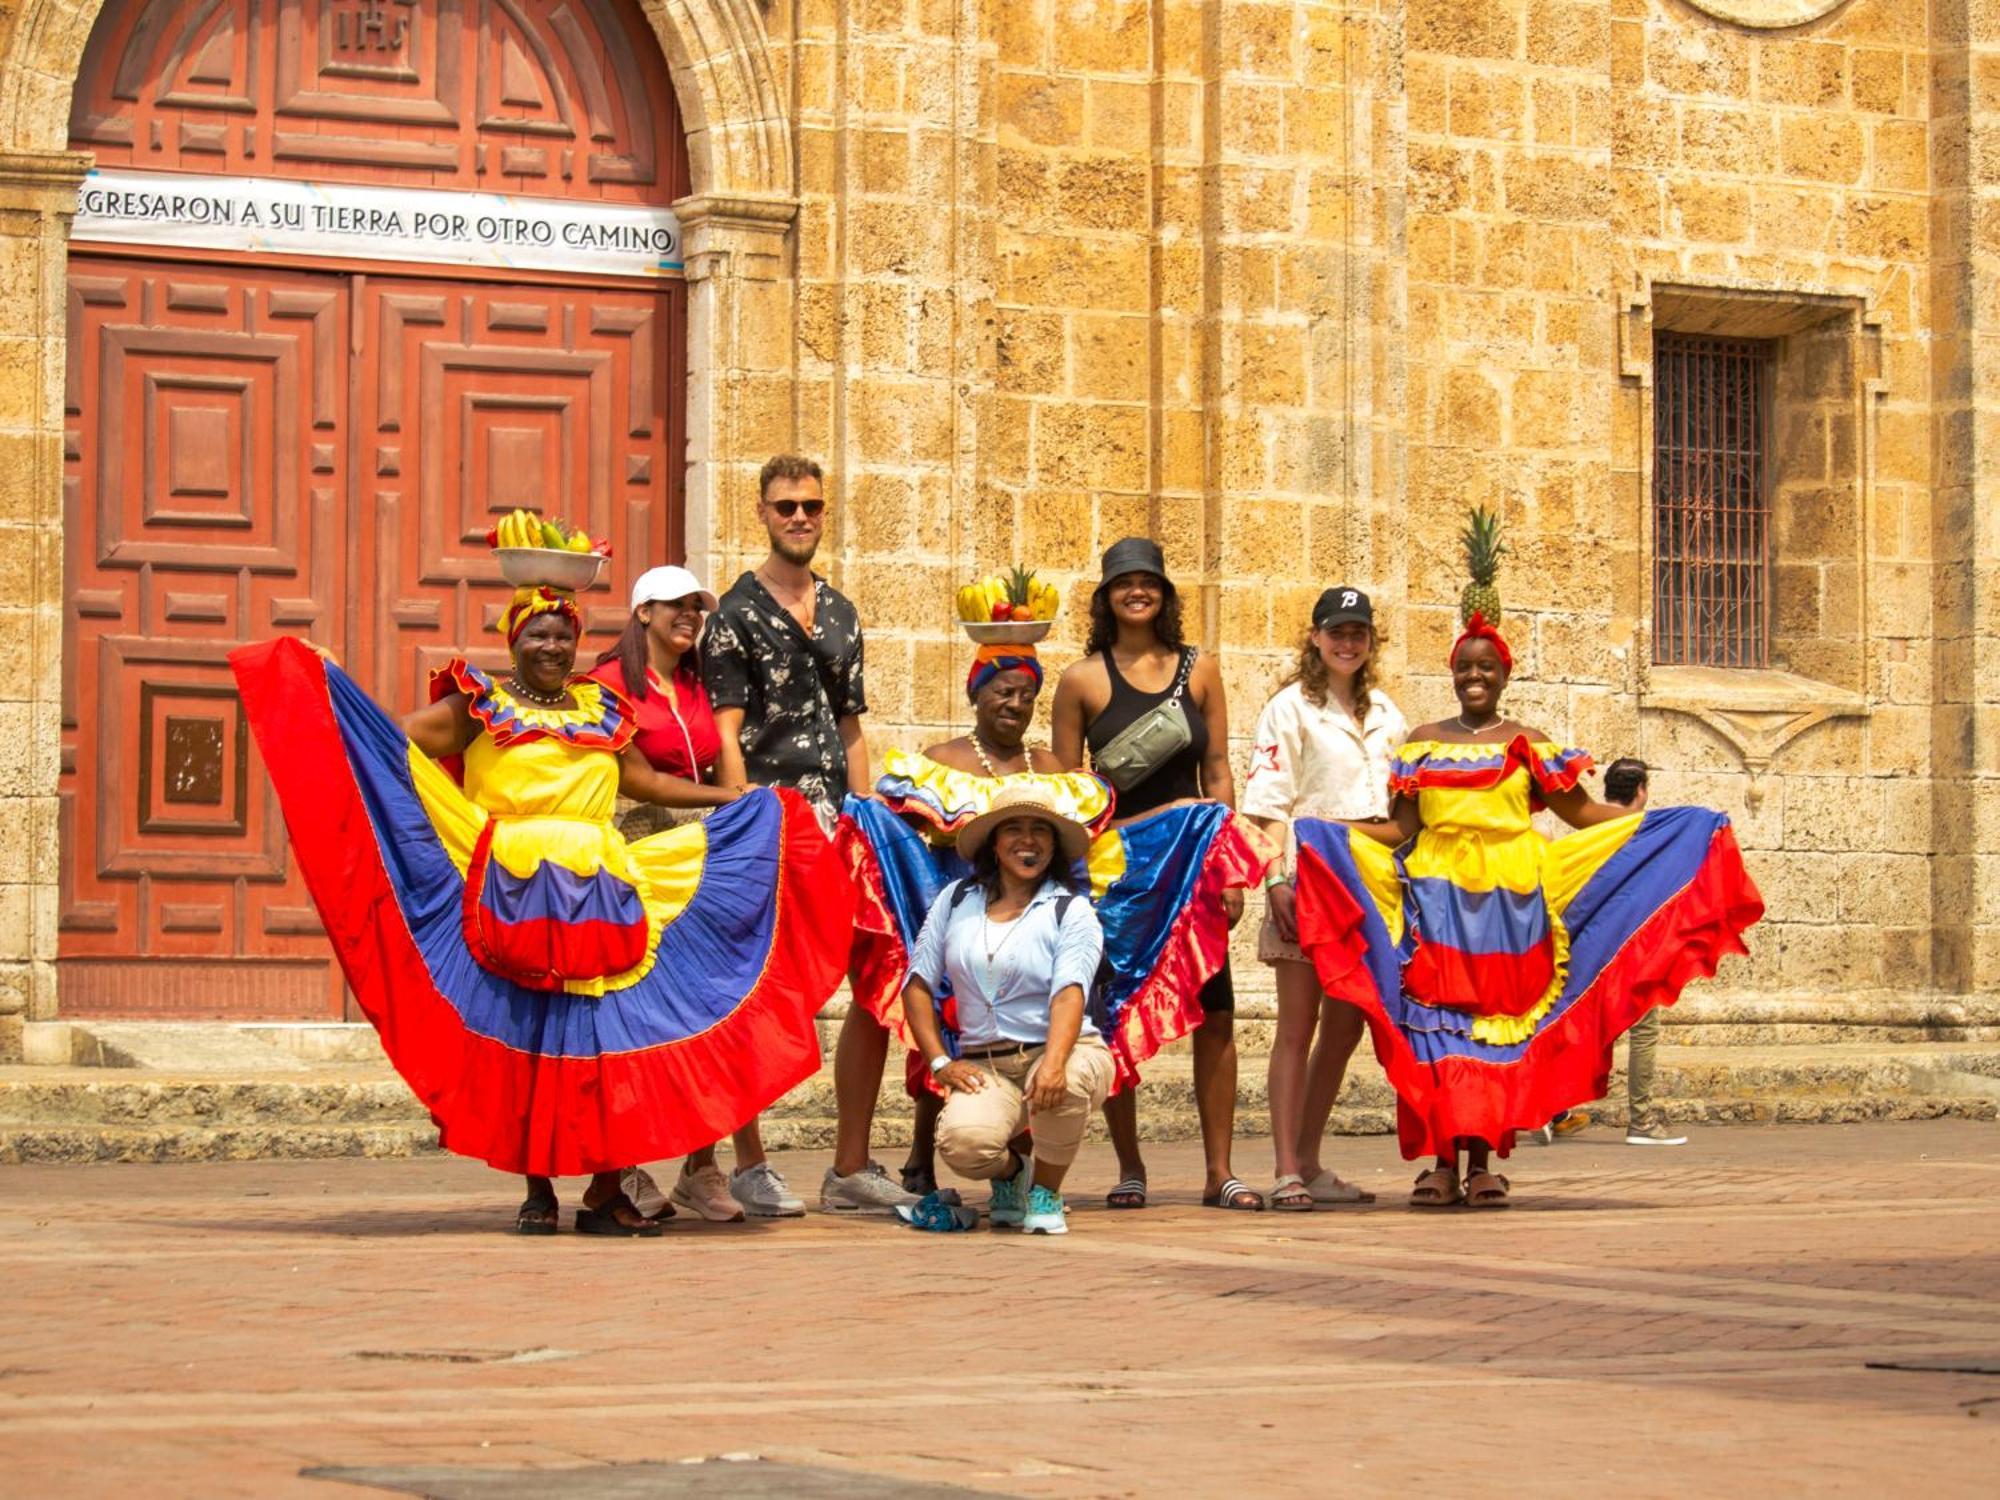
796, 553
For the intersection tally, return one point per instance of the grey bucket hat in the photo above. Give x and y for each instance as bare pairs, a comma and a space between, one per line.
1134, 554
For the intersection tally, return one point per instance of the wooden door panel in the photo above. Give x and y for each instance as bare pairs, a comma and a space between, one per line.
568, 100
471, 401
205, 471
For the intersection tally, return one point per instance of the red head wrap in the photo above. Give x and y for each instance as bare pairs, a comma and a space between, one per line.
993, 659
537, 599
1476, 629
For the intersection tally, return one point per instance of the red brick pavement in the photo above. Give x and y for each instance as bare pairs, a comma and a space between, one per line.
1693, 1322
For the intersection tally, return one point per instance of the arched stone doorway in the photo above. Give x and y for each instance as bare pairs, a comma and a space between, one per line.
734, 143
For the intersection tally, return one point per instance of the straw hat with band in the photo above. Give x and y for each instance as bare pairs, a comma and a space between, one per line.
1023, 802
664, 585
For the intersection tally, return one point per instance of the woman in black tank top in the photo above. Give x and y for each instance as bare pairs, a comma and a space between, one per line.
1178, 779
1134, 614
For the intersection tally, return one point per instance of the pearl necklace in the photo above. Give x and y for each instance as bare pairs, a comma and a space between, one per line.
987, 766
521, 689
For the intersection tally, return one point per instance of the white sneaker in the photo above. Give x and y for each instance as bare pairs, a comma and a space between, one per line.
704, 1193
764, 1194
1653, 1135
869, 1191
637, 1184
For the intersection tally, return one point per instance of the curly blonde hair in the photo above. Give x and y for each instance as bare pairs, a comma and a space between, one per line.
1315, 681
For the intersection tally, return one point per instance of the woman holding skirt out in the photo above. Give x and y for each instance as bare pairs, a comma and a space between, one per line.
1496, 967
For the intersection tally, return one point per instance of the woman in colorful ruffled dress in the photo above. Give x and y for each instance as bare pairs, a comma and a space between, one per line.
902, 848
564, 1002
1496, 967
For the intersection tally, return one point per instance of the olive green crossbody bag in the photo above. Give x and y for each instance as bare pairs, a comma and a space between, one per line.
1149, 741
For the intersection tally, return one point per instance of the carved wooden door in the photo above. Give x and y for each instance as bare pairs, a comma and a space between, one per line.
473, 399
255, 452
206, 473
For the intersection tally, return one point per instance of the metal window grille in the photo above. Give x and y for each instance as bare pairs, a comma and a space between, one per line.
1711, 505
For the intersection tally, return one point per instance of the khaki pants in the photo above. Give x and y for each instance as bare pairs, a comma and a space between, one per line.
1641, 1067
973, 1131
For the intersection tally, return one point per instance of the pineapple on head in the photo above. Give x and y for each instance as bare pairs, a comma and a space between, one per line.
1483, 548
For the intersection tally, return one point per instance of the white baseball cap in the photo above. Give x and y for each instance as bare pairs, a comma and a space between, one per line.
660, 585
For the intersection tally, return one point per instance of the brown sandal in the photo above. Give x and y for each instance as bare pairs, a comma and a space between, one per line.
1486, 1190
1437, 1188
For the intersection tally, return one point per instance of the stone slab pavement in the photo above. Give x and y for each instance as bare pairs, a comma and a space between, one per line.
1699, 1321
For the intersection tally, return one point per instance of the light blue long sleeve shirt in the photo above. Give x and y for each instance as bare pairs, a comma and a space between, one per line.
1007, 999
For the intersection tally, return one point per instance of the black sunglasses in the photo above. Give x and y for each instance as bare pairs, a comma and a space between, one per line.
790, 508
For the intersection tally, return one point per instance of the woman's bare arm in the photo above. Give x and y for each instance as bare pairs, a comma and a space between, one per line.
442, 728
1066, 717
638, 780
1218, 780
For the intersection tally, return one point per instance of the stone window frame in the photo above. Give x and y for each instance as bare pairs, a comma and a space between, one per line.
1756, 710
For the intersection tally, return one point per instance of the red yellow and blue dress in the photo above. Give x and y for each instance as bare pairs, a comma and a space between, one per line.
1496, 967
1156, 884
561, 1000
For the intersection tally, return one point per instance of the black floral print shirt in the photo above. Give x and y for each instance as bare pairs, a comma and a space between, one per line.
793, 689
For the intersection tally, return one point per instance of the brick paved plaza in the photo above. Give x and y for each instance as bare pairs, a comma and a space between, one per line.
1693, 1322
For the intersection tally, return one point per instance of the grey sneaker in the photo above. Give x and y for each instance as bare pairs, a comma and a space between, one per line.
764, 1194
1005, 1209
869, 1191
1045, 1212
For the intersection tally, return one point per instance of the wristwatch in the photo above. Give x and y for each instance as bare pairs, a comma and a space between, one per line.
940, 1063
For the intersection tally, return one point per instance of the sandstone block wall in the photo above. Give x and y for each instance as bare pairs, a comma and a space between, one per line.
1290, 284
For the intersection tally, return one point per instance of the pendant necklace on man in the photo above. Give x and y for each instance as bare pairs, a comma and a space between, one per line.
545, 700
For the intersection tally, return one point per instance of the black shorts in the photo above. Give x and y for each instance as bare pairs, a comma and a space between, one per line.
1218, 996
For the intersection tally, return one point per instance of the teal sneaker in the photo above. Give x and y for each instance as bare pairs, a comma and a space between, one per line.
1004, 1208
1045, 1213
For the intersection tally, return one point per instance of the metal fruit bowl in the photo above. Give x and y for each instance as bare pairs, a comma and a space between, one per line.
552, 567
1007, 632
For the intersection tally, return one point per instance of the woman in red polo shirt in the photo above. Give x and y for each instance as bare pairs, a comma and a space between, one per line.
656, 664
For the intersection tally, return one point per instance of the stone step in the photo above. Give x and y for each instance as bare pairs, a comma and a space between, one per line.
129, 1114
1702, 1019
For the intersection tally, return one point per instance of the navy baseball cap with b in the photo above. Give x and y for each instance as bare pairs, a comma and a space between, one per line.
1343, 606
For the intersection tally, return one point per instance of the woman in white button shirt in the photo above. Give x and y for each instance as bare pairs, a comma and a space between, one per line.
1322, 751
1011, 952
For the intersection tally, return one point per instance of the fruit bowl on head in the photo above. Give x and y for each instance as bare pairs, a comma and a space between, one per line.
549, 567
1007, 632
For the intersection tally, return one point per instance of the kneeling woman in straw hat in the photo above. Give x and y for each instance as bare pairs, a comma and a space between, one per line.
1008, 955
564, 1002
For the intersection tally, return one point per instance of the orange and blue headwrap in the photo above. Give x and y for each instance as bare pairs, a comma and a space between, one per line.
537, 599
1476, 629
993, 659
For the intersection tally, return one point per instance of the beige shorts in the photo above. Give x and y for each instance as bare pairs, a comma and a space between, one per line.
1273, 949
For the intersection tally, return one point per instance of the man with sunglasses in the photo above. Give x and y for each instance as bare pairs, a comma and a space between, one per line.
782, 661
782, 657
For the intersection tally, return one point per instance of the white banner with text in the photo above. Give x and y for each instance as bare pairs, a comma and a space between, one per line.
358, 222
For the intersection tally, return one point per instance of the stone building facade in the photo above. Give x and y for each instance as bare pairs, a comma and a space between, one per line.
1289, 284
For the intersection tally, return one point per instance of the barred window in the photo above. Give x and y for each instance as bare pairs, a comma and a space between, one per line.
1711, 500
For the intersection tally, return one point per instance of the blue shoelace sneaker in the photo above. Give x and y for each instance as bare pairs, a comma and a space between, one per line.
1004, 1208
1045, 1213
